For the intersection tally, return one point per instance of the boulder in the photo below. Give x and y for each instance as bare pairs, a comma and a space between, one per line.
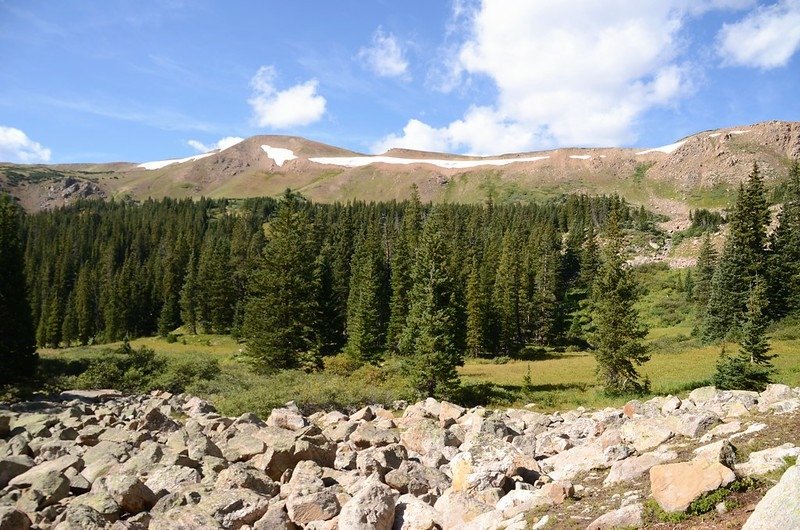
101, 503
240, 475
80, 517
44, 491
768, 460
130, 493
646, 434
458, 508
317, 506
381, 460
5, 424
626, 517
779, 507
167, 479
372, 508
635, 467
232, 509
90, 396
411, 513
676, 486
722, 452
13, 519
59, 465
288, 417
774, 393
692, 424
368, 435
426, 436
156, 421
13, 466
241, 447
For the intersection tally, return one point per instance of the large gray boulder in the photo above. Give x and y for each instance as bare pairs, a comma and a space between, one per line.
780, 507
372, 508
45, 490
129, 492
626, 517
13, 466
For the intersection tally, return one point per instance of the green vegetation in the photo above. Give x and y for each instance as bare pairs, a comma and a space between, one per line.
17, 344
617, 334
415, 299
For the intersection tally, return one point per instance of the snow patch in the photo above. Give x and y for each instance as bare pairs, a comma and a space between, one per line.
714, 135
279, 154
359, 161
664, 148
158, 164
740, 132
581, 157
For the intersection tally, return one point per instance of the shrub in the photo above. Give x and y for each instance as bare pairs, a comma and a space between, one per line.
341, 364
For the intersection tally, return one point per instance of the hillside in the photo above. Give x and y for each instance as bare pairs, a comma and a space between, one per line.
701, 170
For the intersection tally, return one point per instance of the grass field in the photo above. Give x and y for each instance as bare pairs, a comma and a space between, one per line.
559, 381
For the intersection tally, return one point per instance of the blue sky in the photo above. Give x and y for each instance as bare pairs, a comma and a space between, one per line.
146, 80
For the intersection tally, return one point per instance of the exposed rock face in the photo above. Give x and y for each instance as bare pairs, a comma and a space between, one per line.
100, 460
779, 507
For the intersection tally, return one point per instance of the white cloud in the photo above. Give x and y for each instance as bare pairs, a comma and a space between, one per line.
223, 143
766, 38
566, 73
281, 109
15, 146
385, 57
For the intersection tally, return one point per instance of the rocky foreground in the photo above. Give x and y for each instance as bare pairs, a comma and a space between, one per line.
96, 460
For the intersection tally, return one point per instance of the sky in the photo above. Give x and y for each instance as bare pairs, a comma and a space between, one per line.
140, 80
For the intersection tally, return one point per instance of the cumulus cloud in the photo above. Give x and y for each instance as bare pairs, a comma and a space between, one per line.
576, 73
281, 109
766, 38
15, 146
385, 56
222, 143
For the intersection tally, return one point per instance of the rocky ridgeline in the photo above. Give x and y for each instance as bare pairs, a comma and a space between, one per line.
97, 459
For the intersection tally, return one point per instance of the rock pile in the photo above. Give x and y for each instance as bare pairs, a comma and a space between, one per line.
98, 459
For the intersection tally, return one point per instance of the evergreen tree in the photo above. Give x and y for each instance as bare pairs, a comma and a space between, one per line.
188, 300
429, 338
506, 297
706, 266
402, 263
618, 334
281, 316
751, 367
784, 284
85, 306
367, 308
477, 318
743, 259
18, 343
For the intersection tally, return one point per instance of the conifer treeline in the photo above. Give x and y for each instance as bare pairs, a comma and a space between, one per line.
101, 271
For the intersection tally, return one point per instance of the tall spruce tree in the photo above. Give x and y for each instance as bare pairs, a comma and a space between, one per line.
506, 296
402, 263
281, 317
429, 339
784, 276
706, 265
618, 335
18, 343
367, 304
751, 367
743, 258
477, 312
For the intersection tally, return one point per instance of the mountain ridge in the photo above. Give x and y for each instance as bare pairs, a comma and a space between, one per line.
702, 165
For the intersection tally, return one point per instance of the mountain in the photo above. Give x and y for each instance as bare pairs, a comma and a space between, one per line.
701, 170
